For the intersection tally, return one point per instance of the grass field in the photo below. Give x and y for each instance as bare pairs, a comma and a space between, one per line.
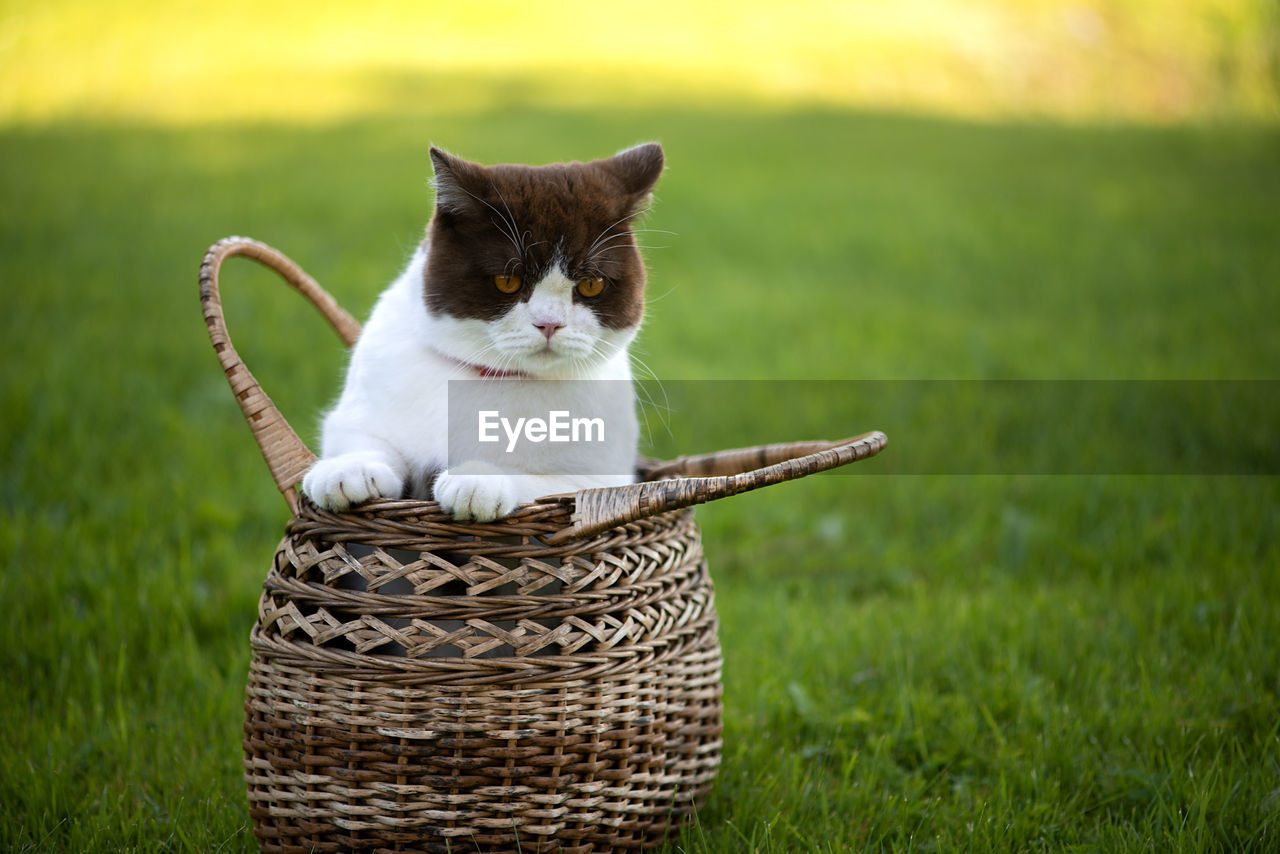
999, 662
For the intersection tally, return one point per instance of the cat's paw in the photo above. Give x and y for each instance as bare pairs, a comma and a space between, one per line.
476, 491
338, 483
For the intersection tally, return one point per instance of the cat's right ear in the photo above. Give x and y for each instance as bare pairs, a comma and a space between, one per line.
453, 177
637, 169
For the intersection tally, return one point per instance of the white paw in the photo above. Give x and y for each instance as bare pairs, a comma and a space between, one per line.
476, 491
339, 482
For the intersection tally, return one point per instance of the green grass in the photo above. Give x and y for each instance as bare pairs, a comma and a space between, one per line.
942, 663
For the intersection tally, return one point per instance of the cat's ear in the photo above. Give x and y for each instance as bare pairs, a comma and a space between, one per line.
453, 179
637, 170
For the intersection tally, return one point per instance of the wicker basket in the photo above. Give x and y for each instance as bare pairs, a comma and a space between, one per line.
550, 682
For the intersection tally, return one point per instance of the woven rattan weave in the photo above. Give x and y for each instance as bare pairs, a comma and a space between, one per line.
548, 682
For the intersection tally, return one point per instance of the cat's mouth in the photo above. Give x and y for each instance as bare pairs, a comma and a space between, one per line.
546, 351
548, 354
533, 359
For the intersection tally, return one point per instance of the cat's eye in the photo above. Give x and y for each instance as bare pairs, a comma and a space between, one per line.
507, 284
591, 287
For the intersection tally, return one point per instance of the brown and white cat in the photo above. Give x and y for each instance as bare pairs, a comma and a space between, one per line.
528, 273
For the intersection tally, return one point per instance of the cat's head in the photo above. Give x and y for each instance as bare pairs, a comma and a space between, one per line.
535, 269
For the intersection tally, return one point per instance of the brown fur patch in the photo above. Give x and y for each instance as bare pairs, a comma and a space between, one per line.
510, 219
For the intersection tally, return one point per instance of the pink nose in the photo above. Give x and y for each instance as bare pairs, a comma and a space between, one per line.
548, 328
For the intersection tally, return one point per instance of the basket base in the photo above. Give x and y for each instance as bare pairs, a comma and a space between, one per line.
340, 764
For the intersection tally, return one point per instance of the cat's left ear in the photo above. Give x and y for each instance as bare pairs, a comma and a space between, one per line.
453, 175
637, 170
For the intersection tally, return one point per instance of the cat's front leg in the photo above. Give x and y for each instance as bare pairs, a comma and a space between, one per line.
477, 490
339, 482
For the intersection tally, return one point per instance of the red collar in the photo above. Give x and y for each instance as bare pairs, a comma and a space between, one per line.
486, 372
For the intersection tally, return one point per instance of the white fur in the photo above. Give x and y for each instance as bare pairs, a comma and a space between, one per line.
390, 423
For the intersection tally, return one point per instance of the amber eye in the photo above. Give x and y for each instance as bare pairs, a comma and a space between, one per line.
507, 284
591, 287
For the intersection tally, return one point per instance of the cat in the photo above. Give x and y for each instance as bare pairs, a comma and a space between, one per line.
528, 275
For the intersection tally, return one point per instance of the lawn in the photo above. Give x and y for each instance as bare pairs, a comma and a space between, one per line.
944, 662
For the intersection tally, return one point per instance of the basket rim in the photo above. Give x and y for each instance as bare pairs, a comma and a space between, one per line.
418, 525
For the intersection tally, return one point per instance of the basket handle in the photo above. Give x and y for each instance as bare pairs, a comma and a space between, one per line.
709, 477
287, 456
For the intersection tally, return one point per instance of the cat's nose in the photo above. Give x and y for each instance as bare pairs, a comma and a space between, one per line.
549, 328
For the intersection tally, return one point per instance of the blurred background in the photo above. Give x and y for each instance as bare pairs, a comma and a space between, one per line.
191, 62
925, 190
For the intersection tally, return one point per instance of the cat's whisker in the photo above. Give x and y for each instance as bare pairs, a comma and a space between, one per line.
663, 409
612, 226
604, 250
477, 358
650, 300
645, 399
498, 225
604, 241
505, 224
512, 220
613, 241
605, 246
